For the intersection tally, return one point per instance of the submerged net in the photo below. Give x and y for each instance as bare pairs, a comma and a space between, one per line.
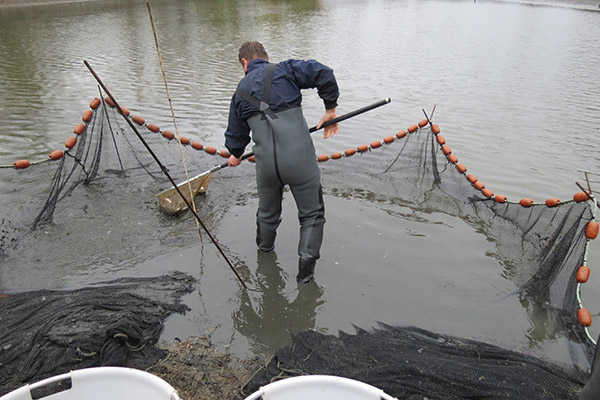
542, 247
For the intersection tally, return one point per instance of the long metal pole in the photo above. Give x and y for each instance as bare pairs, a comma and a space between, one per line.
164, 170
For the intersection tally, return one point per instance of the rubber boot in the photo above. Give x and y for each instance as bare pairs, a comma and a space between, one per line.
306, 271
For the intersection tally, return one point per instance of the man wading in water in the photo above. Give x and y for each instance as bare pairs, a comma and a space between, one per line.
268, 103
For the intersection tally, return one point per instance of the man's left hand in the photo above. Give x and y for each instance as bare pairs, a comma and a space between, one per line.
331, 129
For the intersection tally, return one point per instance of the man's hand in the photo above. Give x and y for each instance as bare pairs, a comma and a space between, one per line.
331, 129
233, 161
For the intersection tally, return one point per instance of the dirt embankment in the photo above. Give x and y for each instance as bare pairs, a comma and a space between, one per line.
197, 372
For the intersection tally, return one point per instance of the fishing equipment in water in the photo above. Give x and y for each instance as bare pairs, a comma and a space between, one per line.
542, 247
171, 202
141, 121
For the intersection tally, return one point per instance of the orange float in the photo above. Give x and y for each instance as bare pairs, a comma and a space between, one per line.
79, 128
350, 152
413, 128
20, 164
552, 202
591, 232
323, 158
362, 148
423, 123
580, 197
441, 140
126, 112
584, 317
224, 154
446, 149
197, 145
452, 158
138, 120
500, 198
388, 139
87, 115
71, 142
336, 156
401, 134
479, 185
461, 168
210, 150
153, 127
375, 144
95, 103
169, 135
109, 101
435, 129
56, 154
583, 274
185, 140
471, 178
526, 202
487, 193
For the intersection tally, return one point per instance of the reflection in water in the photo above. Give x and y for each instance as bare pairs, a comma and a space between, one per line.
269, 325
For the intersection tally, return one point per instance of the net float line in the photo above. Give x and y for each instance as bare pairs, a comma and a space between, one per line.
87, 118
416, 128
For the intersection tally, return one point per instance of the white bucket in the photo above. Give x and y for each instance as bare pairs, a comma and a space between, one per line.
319, 387
102, 383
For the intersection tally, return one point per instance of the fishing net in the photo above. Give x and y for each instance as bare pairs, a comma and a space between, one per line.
412, 363
542, 247
45, 333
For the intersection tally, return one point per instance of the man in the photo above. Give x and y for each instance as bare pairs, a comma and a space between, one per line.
268, 103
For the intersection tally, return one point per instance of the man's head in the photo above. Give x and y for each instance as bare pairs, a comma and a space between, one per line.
251, 51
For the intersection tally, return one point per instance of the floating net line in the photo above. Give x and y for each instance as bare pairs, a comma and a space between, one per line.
542, 247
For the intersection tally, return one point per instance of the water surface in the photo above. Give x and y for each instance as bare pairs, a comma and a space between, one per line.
515, 89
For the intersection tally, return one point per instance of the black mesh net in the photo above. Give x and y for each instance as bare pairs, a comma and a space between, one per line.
411, 363
45, 333
541, 247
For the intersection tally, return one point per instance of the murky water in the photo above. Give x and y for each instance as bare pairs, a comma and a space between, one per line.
515, 88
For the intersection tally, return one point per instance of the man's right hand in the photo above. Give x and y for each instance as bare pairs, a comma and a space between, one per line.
234, 161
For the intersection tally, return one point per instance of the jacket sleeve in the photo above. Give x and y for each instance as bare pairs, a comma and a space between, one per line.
308, 74
237, 135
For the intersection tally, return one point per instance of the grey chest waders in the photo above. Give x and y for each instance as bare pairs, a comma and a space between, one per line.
285, 155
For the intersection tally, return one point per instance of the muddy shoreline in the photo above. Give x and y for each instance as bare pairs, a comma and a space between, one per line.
198, 372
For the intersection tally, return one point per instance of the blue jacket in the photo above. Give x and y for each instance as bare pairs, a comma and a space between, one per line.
289, 78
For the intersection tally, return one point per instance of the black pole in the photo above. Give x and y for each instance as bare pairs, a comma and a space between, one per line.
351, 114
314, 128
164, 170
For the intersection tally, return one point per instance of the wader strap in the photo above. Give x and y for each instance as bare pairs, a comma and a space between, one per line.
263, 106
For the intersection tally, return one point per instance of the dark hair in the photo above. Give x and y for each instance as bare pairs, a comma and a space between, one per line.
251, 51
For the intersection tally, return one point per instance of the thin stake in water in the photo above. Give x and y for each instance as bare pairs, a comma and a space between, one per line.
164, 170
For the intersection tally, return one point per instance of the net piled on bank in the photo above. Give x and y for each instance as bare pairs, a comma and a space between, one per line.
48, 332
543, 247
412, 363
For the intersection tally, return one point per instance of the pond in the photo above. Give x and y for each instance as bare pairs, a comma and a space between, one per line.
514, 86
